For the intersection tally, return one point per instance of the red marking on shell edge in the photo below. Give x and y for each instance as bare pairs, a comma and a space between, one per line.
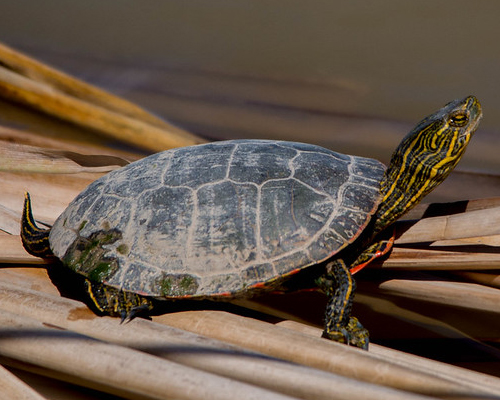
293, 272
259, 285
224, 294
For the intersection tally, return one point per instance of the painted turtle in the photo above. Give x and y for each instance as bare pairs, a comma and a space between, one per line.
234, 218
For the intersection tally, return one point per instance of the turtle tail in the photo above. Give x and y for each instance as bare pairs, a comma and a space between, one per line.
35, 240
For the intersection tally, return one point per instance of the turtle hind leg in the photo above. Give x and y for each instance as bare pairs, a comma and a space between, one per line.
117, 303
339, 286
35, 240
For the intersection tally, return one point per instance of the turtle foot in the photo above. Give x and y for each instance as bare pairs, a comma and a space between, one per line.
108, 300
354, 334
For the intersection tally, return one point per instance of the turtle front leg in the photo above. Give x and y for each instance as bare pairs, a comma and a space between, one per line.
339, 286
117, 303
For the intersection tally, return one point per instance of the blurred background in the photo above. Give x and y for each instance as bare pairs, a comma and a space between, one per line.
352, 76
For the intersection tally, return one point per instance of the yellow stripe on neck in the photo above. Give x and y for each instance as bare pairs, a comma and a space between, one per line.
423, 177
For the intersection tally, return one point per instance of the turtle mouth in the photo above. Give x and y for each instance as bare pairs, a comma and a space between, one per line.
475, 116
472, 128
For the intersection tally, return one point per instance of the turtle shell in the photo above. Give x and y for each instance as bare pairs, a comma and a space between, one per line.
218, 218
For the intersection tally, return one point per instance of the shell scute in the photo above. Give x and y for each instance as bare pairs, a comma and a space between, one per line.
160, 220
259, 163
225, 225
177, 285
323, 172
258, 273
284, 225
195, 166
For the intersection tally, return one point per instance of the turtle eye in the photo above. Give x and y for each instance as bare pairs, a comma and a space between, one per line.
458, 120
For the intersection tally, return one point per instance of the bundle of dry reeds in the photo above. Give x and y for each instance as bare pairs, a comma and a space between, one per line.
46, 338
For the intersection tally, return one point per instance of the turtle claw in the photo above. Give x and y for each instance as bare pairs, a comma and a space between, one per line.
139, 311
354, 334
124, 317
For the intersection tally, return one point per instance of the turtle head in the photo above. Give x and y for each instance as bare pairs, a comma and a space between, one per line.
426, 156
